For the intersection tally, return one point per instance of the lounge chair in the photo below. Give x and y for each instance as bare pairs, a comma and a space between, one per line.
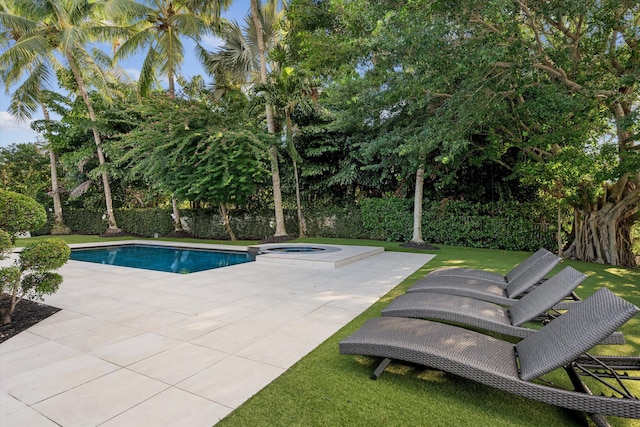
499, 293
504, 365
490, 316
519, 269
487, 315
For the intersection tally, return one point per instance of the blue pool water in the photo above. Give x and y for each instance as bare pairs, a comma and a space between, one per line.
161, 258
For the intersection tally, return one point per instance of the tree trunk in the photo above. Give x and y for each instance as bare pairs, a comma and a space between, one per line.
225, 219
417, 207
559, 234
271, 126
177, 223
302, 225
113, 225
603, 232
58, 222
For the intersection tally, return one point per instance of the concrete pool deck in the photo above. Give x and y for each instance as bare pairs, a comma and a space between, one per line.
135, 347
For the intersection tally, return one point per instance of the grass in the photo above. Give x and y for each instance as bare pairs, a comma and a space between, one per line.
326, 388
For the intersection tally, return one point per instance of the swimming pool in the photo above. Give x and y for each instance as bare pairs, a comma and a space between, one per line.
161, 258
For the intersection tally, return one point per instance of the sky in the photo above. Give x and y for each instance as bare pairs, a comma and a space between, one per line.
17, 132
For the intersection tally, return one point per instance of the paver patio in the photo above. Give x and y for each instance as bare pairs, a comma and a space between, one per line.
136, 347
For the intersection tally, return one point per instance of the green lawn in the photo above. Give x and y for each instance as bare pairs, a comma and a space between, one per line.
329, 389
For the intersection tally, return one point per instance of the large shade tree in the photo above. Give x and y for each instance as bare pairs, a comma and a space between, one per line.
63, 30
563, 71
200, 150
529, 86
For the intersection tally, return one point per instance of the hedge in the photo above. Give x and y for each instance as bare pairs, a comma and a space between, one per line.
512, 226
501, 225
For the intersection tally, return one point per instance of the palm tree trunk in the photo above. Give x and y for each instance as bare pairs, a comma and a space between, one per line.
302, 225
58, 221
113, 226
271, 126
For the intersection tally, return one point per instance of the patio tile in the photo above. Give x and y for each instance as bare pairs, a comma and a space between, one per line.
9, 404
133, 349
231, 381
229, 338
278, 349
185, 360
189, 329
172, 408
64, 328
153, 320
26, 417
99, 400
33, 357
104, 333
22, 340
48, 380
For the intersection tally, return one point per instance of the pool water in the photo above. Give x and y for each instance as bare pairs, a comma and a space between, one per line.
161, 258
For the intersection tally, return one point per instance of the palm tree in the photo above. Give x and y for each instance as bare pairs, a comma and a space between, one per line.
30, 94
243, 57
160, 31
61, 30
289, 90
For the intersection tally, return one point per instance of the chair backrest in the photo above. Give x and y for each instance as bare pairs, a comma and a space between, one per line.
545, 295
533, 275
572, 334
524, 265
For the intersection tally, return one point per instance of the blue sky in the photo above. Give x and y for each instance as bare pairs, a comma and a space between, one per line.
14, 132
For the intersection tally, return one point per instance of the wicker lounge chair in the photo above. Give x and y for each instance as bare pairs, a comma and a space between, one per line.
493, 317
487, 315
507, 366
486, 290
491, 276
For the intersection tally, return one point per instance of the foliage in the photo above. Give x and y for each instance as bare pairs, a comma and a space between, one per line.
20, 213
387, 219
194, 149
502, 225
24, 170
146, 222
31, 276
6, 244
528, 90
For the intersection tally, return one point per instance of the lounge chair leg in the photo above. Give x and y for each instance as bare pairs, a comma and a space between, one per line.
599, 419
380, 369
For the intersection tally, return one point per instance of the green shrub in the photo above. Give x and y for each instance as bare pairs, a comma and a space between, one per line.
388, 219
85, 221
20, 213
31, 276
146, 222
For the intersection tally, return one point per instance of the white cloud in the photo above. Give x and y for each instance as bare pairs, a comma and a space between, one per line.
133, 73
8, 123
212, 42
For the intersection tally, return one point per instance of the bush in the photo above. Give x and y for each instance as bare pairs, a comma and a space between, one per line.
145, 222
20, 213
502, 225
30, 275
388, 219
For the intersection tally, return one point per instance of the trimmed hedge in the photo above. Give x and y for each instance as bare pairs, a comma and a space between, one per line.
512, 226
501, 225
